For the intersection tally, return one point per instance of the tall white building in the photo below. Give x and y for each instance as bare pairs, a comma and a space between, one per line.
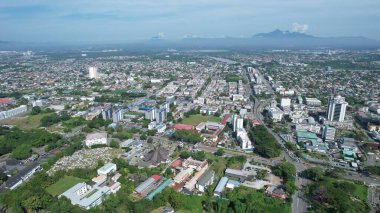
238, 122
150, 114
117, 115
337, 108
93, 72
244, 141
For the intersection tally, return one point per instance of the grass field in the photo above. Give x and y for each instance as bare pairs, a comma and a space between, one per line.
63, 184
197, 119
27, 122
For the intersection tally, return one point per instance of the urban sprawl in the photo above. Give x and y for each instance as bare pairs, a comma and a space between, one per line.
190, 131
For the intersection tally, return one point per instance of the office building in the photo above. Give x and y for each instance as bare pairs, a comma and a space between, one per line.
328, 133
336, 109
93, 72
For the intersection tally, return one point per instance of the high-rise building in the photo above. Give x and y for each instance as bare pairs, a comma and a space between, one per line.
328, 133
161, 115
117, 115
337, 108
107, 112
237, 122
93, 72
244, 141
150, 114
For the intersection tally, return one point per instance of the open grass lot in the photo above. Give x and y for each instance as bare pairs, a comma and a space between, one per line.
63, 184
27, 122
197, 119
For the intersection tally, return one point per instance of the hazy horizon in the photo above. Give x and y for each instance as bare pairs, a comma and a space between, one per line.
121, 21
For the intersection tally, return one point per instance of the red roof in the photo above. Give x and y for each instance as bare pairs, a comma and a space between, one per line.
226, 117
6, 100
255, 122
156, 177
177, 186
183, 127
176, 163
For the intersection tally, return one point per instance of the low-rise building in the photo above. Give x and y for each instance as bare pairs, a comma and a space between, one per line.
13, 112
205, 180
107, 168
220, 187
85, 195
23, 175
234, 173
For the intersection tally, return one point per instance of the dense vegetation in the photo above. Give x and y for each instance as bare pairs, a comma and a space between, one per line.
120, 98
287, 171
49, 120
199, 155
243, 199
188, 136
328, 194
265, 144
375, 170
20, 142
233, 78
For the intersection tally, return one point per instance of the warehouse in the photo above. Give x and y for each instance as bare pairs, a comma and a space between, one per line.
220, 187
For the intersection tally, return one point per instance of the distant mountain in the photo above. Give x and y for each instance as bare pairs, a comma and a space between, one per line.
273, 40
285, 39
283, 34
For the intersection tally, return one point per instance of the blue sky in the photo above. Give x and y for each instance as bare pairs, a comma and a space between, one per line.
124, 20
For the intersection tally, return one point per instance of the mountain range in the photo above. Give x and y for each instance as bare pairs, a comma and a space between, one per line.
276, 39
289, 40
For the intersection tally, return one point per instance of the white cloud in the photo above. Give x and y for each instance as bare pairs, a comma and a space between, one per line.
301, 28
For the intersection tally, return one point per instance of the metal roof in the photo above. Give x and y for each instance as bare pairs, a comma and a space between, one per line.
222, 183
206, 177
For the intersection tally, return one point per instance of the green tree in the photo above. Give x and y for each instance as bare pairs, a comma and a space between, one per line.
219, 152
22, 152
143, 136
314, 173
32, 202
114, 144
36, 110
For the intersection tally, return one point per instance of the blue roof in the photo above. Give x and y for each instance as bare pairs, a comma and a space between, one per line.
159, 189
233, 182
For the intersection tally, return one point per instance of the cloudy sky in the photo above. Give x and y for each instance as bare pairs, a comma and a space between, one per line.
124, 20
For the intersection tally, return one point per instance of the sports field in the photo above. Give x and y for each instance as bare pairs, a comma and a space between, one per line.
197, 119
63, 184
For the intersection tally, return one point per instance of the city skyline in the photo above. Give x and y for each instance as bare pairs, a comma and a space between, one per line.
118, 21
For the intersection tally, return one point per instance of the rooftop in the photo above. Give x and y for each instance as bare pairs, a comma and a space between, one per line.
306, 135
